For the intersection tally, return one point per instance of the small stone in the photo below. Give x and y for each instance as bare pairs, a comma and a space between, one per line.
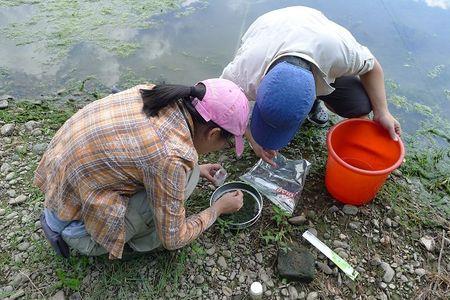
388, 222
298, 220
58, 296
39, 149
428, 242
18, 200
285, 292
221, 277
333, 209
302, 295
293, 294
391, 286
383, 285
354, 225
5, 168
311, 214
211, 251
312, 296
350, 209
23, 246
389, 273
324, 268
313, 231
31, 125
199, 279
227, 291
210, 263
3, 104
6, 97
7, 129
226, 253
17, 295
18, 280
420, 272
2, 211
259, 257
11, 193
222, 262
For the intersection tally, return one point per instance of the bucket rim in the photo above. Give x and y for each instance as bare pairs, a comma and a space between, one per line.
353, 168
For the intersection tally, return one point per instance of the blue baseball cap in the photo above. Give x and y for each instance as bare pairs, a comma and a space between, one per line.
283, 100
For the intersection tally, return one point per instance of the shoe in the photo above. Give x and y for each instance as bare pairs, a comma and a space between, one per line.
318, 115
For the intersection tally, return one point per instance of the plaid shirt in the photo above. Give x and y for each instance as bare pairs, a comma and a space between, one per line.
108, 151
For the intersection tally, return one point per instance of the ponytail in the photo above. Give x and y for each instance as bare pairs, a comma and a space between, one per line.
163, 95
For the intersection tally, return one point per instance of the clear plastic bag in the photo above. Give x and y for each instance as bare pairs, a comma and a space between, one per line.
281, 185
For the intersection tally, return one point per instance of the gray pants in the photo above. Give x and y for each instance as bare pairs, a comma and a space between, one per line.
140, 230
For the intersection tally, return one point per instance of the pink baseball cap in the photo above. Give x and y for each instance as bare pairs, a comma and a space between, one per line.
226, 105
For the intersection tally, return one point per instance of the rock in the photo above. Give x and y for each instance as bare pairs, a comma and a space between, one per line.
5, 168
7, 129
285, 292
296, 264
222, 262
388, 272
259, 257
18, 280
313, 231
2, 211
210, 263
10, 176
354, 225
19, 199
350, 209
199, 279
3, 104
31, 125
17, 295
312, 296
23, 246
293, 294
227, 291
420, 272
428, 242
211, 251
58, 296
226, 253
297, 220
39, 149
302, 295
6, 97
388, 222
333, 209
311, 214
324, 268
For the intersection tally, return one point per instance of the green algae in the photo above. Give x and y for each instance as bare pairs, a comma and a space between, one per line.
56, 26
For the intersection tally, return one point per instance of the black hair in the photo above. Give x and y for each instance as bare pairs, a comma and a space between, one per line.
163, 95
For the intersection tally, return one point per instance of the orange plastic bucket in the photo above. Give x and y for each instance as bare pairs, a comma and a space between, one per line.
361, 155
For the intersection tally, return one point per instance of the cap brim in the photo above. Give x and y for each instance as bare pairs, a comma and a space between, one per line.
266, 135
239, 144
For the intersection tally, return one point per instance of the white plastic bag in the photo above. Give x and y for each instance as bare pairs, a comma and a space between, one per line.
281, 185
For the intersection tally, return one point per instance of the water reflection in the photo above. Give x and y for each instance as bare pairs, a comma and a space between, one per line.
409, 38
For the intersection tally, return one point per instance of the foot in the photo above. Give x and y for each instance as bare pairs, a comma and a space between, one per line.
318, 115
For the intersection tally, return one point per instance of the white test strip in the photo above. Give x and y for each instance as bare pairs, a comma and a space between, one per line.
338, 261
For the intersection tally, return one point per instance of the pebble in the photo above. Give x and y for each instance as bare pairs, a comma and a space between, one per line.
7, 129
350, 209
311, 214
312, 296
211, 251
420, 272
313, 231
285, 292
383, 285
2, 211
5, 168
58, 296
354, 225
428, 242
298, 220
259, 257
389, 273
18, 200
324, 268
199, 279
23, 246
221, 277
3, 104
302, 295
222, 262
293, 294
17, 295
31, 125
227, 291
39, 149
226, 253
388, 222
333, 209
10, 176
210, 262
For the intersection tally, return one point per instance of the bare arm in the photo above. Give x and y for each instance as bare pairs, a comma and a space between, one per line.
373, 82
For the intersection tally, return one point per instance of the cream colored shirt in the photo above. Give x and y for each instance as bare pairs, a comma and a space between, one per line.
303, 32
